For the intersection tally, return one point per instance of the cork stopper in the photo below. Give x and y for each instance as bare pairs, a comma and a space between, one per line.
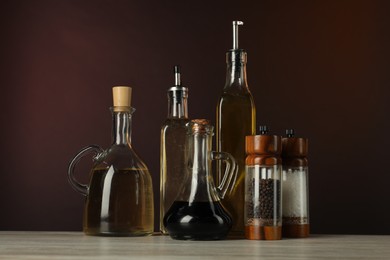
121, 98
200, 126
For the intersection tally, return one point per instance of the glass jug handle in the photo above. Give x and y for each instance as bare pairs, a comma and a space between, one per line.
82, 188
230, 172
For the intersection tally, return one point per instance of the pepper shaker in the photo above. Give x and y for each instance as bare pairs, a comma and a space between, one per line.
262, 215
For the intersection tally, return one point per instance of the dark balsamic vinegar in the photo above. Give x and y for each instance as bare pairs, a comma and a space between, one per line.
197, 221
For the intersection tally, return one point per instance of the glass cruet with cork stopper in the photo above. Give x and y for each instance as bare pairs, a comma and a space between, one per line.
263, 215
119, 196
295, 186
197, 212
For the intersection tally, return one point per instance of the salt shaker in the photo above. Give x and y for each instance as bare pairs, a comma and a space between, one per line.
262, 214
295, 185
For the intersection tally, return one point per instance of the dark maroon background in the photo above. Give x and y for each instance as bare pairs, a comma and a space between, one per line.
321, 67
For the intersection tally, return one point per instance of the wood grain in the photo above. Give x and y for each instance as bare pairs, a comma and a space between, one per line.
76, 245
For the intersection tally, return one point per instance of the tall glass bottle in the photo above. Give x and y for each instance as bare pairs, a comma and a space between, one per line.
119, 196
236, 118
173, 139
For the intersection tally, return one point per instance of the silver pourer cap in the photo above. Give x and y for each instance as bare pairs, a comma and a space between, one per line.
178, 91
235, 33
236, 54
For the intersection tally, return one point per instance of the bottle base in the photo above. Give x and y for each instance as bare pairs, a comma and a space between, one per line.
163, 232
208, 237
296, 231
263, 232
197, 231
98, 232
197, 221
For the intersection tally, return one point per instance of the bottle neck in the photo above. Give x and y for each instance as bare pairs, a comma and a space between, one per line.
177, 106
200, 147
236, 69
199, 164
121, 128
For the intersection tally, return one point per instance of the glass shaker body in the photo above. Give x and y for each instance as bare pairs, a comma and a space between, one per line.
197, 212
263, 194
295, 188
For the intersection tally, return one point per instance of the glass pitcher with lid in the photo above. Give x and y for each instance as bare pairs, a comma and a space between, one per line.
197, 213
119, 196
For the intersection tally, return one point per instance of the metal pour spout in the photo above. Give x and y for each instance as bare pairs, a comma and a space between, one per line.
177, 75
235, 33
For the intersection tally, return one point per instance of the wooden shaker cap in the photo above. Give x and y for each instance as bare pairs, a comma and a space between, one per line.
294, 152
295, 147
263, 144
121, 98
263, 150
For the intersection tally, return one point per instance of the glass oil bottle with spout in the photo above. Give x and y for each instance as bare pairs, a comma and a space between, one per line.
119, 196
236, 115
173, 139
197, 213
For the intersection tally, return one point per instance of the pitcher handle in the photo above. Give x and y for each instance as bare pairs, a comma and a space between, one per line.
230, 172
82, 188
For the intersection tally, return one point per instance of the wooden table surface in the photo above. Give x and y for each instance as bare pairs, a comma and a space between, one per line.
75, 245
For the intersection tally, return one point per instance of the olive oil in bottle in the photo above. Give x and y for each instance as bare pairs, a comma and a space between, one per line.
114, 207
236, 116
